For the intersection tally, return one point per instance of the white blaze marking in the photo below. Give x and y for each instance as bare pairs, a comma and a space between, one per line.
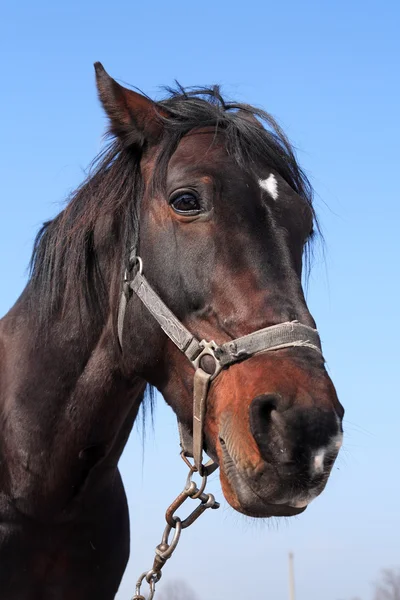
270, 185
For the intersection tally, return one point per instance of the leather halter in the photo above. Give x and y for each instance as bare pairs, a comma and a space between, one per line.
276, 337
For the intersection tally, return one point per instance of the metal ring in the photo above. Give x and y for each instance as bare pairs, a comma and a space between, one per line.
139, 584
152, 585
171, 547
140, 262
133, 259
201, 489
151, 579
190, 486
153, 576
187, 462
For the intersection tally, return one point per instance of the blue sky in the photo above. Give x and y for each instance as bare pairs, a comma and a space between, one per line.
329, 73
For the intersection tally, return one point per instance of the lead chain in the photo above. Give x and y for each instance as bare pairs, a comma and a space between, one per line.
165, 549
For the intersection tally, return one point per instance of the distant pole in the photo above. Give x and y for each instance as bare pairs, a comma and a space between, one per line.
291, 576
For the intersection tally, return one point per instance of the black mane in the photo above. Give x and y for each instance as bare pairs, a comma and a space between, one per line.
102, 214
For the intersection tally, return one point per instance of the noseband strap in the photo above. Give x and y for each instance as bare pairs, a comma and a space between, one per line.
284, 335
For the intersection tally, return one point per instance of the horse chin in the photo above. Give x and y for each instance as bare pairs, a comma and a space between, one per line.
259, 494
245, 500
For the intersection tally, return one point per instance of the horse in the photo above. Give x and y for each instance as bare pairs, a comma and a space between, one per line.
180, 254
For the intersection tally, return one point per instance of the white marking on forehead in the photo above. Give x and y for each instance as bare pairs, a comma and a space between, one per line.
270, 185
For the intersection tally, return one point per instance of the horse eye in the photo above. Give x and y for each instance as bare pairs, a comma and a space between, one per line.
186, 204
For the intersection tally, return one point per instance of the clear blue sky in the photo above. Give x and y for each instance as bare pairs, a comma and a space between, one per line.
330, 73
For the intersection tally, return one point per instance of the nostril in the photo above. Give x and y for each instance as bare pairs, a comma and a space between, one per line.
262, 410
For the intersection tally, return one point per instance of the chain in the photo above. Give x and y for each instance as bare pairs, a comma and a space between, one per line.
165, 549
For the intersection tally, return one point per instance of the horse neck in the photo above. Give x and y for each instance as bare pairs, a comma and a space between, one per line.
64, 393
71, 334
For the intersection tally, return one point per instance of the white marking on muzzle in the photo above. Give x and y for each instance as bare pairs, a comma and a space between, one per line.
317, 467
317, 464
270, 185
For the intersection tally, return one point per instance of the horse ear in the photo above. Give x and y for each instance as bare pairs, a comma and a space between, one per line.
133, 117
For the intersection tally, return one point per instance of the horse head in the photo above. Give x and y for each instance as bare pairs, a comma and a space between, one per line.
223, 214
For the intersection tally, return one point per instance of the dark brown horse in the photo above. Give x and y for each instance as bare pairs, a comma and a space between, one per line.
219, 211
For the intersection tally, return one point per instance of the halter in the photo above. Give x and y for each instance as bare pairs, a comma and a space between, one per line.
285, 335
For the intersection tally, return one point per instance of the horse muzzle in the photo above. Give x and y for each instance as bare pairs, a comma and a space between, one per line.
278, 436
281, 489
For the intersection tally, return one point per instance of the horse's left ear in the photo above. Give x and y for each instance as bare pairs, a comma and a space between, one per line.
133, 117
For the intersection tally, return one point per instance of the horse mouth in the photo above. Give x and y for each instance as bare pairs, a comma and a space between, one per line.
259, 496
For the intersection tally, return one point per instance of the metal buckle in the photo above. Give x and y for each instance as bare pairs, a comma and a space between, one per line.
209, 349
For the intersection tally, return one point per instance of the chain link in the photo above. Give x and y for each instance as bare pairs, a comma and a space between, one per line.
166, 548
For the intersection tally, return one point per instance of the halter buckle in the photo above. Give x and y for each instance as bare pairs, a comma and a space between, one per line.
209, 349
